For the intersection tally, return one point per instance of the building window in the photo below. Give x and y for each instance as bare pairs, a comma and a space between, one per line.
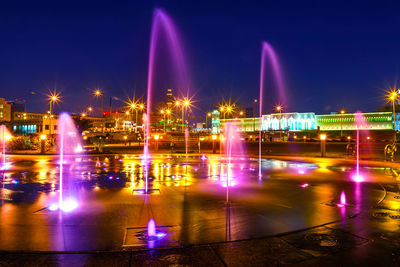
46, 127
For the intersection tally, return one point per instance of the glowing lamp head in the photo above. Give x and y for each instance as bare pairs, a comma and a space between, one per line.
342, 111
278, 108
168, 111
141, 106
90, 109
156, 137
214, 137
348, 137
43, 137
85, 137
209, 114
186, 103
322, 137
125, 137
162, 111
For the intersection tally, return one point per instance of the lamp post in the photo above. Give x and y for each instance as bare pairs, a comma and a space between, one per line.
208, 115
54, 97
186, 104
97, 92
163, 112
279, 109
168, 115
254, 114
393, 98
323, 144
141, 107
341, 123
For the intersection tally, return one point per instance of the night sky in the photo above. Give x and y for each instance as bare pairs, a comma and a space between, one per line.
334, 55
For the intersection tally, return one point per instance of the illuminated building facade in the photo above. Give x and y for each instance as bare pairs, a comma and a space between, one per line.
310, 122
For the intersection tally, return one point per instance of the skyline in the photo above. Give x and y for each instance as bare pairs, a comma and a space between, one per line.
345, 61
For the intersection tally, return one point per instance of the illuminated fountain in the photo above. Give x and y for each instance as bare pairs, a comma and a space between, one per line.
5, 136
268, 52
69, 146
235, 149
342, 201
361, 124
163, 29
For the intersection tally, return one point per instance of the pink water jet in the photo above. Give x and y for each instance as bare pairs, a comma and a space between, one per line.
5, 136
151, 228
304, 185
342, 202
268, 52
203, 157
235, 150
164, 26
361, 124
70, 145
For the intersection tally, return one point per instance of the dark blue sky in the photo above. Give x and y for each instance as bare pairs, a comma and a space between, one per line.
333, 54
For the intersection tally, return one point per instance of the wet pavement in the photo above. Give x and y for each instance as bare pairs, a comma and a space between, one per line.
271, 220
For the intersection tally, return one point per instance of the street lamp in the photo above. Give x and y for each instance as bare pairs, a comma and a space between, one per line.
279, 109
97, 92
168, 115
163, 112
341, 124
53, 97
208, 115
254, 114
186, 104
393, 96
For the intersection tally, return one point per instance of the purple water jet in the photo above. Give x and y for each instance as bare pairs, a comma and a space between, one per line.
234, 149
151, 228
268, 52
69, 146
5, 136
343, 201
361, 124
163, 24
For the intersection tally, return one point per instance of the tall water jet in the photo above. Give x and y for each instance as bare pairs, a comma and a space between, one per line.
234, 150
69, 146
268, 52
5, 136
361, 124
163, 24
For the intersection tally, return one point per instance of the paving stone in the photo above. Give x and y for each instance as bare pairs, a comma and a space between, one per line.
194, 256
260, 252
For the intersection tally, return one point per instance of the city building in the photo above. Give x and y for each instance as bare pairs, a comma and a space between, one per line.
311, 122
5, 111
